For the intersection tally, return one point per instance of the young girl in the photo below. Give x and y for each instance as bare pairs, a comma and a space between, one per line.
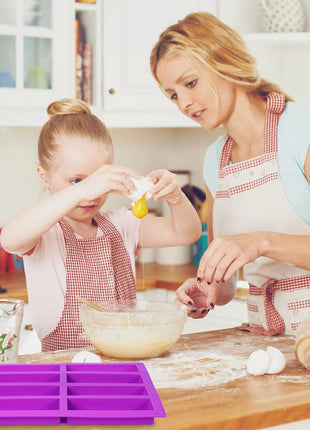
70, 247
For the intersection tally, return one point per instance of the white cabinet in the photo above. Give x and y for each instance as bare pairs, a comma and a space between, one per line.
131, 97
282, 58
29, 44
130, 30
38, 56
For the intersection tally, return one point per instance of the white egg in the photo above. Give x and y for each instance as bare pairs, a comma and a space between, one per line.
86, 357
277, 360
143, 185
258, 362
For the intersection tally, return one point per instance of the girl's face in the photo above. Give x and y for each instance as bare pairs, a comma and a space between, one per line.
198, 92
76, 159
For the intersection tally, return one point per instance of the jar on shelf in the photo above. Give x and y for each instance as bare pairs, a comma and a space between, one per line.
280, 16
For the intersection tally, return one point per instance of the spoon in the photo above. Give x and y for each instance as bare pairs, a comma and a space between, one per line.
90, 304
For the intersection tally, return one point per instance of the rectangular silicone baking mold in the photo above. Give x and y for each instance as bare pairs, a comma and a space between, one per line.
77, 393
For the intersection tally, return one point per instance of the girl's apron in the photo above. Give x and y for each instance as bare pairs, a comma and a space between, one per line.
250, 197
98, 269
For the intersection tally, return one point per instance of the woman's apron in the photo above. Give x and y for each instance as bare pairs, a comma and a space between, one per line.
98, 269
250, 197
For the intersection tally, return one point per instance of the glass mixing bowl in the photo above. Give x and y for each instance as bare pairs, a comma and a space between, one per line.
134, 329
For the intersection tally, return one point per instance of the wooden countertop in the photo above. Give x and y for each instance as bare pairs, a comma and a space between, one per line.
203, 383
148, 275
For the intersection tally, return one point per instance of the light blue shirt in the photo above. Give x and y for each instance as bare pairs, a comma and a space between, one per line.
293, 144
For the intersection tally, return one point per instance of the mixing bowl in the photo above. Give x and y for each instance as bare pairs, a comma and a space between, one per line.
134, 329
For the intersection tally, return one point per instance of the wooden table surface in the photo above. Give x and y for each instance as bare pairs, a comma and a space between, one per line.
203, 383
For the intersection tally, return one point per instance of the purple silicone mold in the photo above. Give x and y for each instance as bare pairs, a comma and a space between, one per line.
74, 393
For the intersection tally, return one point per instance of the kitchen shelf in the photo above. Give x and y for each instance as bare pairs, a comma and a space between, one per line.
86, 7
285, 39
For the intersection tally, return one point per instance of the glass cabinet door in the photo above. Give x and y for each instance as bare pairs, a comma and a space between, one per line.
26, 44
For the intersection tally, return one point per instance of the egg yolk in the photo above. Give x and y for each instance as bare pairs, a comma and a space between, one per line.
139, 208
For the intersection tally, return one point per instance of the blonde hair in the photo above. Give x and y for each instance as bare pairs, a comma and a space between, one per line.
201, 36
70, 117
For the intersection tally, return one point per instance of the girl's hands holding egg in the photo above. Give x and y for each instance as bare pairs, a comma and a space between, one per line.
108, 178
166, 186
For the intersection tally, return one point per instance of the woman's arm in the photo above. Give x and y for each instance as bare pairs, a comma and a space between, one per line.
227, 254
182, 227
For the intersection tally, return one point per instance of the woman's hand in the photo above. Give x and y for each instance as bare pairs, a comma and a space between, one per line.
227, 254
166, 186
201, 297
196, 301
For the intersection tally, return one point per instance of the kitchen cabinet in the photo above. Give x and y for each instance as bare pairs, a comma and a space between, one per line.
30, 41
38, 56
282, 58
130, 29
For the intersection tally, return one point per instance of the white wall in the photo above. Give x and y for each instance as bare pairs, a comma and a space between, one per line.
142, 149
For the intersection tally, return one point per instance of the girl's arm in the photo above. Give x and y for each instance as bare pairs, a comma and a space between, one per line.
182, 227
21, 234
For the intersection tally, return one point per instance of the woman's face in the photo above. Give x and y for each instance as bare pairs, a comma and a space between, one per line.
198, 92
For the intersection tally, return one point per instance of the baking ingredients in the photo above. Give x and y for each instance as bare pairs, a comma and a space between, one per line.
140, 195
139, 208
269, 361
134, 329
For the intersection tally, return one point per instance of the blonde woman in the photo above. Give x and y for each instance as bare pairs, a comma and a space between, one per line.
257, 174
70, 245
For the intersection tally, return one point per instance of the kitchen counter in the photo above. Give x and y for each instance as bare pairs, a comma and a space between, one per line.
148, 275
203, 383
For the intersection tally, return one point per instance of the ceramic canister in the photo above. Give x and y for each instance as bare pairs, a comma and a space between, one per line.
283, 16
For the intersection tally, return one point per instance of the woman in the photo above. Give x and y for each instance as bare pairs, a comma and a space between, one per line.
257, 175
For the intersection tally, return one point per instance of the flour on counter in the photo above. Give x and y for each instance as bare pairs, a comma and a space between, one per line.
196, 368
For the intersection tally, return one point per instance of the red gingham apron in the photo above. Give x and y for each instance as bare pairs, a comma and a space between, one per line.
98, 269
250, 197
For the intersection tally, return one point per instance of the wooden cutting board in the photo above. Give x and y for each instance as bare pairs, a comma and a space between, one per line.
203, 383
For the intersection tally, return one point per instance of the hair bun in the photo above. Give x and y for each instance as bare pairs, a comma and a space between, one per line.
67, 106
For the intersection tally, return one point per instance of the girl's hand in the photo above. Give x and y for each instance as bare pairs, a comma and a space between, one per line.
227, 254
166, 186
108, 178
197, 301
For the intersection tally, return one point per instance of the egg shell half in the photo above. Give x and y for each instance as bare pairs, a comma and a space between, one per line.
277, 360
86, 357
258, 362
143, 185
